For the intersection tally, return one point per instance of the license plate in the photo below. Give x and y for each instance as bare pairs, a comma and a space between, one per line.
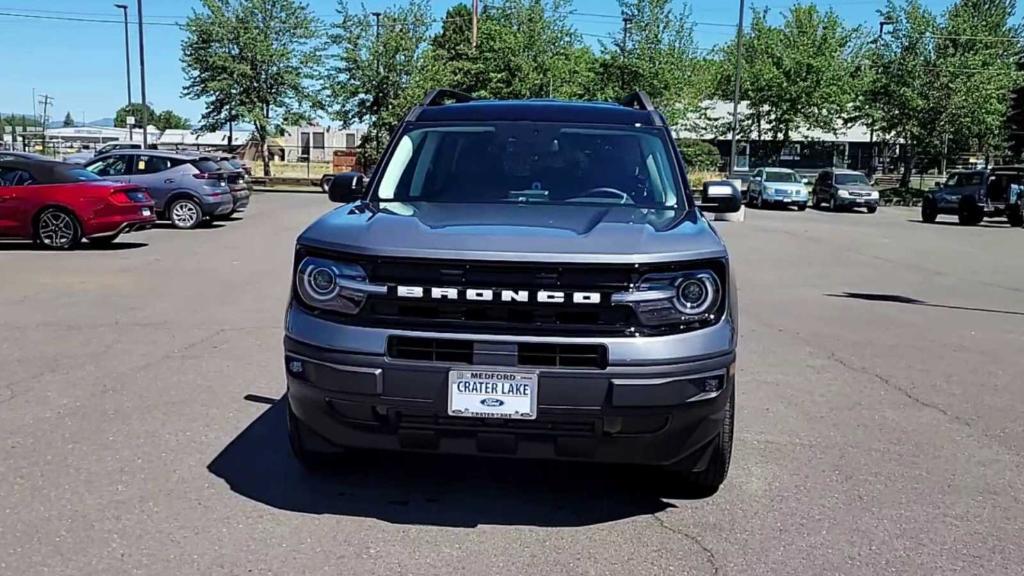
147, 212
860, 200
787, 199
487, 393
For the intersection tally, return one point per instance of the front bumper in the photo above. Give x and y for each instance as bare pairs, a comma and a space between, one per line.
650, 414
856, 202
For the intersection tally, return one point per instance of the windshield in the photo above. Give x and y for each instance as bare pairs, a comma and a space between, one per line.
851, 179
784, 176
532, 162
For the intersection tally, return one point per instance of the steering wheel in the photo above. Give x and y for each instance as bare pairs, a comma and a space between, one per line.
605, 192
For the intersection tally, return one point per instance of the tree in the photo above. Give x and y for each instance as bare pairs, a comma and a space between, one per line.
69, 122
976, 54
656, 54
800, 75
135, 110
375, 74
252, 60
168, 120
903, 89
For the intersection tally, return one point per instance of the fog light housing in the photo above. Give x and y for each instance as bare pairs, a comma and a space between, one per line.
294, 367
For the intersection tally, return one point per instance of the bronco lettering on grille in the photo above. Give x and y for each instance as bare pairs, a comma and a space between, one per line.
489, 295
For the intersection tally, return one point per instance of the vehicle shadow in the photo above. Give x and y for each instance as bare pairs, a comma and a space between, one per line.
430, 489
898, 299
27, 246
956, 224
204, 225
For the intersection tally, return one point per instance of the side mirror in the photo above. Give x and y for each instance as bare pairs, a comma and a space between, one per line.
939, 185
721, 197
346, 187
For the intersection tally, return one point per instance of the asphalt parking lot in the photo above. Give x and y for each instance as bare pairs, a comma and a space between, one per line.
879, 425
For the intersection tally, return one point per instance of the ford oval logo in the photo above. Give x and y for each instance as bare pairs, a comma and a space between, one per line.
492, 402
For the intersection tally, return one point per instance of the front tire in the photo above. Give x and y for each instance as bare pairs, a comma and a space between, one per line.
801, 207
760, 201
57, 229
298, 439
833, 205
185, 214
928, 212
872, 209
707, 481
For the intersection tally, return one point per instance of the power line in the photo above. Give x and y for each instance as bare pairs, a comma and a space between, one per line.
89, 20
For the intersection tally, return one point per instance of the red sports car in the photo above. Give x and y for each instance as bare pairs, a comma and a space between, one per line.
58, 204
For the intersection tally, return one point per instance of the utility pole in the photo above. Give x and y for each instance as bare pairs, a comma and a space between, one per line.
476, 17
142, 80
46, 100
626, 21
736, 90
127, 62
376, 83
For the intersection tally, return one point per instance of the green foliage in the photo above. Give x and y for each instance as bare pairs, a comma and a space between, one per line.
168, 120
803, 74
659, 56
135, 110
252, 61
699, 155
69, 122
374, 75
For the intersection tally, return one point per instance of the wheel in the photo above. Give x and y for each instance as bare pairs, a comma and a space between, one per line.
832, 204
801, 207
104, 241
298, 438
814, 200
706, 482
57, 229
760, 201
872, 209
185, 214
928, 212
967, 215
1014, 217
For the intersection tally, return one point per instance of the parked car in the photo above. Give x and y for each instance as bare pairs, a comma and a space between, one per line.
186, 188
87, 155
973, 195
58, 204
843, 190
776, 187
11, 154
237, 183
528, 279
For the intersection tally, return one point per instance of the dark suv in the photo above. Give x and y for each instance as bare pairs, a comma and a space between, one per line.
519, 278
843, 190
973, 195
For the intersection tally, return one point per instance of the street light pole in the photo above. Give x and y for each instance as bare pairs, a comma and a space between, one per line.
127, 62
142, 80
376, 83
736, 90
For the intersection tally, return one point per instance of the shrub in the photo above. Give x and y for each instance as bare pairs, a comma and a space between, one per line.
699, 156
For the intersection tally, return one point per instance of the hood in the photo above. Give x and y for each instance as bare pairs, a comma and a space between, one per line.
857, 187
542, 233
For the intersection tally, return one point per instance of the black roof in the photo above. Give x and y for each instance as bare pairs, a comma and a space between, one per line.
635, 109
45, 171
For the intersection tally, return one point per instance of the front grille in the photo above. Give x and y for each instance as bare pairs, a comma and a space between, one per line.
563, 355
562, 426
856, 194
496, 317
534, 355
430, 349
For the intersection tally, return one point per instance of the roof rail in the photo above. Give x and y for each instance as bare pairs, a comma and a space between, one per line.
437, 97
638, 100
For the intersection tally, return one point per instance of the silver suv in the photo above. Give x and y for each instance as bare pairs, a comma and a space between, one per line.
519, 278
185, 187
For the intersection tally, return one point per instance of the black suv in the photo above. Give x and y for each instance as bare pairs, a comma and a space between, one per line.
518, 278
973, 195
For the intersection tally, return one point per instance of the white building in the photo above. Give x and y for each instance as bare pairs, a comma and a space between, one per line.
188, 139
318, 143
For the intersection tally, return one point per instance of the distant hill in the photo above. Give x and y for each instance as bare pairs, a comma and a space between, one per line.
101, 123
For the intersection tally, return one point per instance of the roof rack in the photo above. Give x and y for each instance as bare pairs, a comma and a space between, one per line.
439, 96
638, 100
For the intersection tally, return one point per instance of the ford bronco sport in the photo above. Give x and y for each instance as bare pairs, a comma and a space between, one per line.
518, 278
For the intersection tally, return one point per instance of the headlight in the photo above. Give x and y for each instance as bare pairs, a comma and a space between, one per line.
675, 298
844, 193
769, 192
329, 285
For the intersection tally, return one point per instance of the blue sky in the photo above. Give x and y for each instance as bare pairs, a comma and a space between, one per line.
81, 64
